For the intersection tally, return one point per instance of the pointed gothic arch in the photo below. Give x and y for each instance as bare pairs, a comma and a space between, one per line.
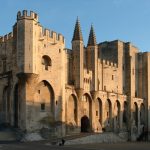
98, 107
117, 112
88, 105
72, 109
86, 119
108, 107
45, 95
5, 106
108, 115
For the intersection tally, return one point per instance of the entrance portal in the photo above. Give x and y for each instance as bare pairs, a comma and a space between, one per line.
85, 124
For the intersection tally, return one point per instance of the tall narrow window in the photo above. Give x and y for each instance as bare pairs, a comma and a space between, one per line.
96, 113
112, 77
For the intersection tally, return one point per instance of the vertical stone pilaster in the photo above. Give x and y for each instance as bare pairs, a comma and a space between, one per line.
79, 94
103, 115
93, 121
121, 116
112, 116
25, 89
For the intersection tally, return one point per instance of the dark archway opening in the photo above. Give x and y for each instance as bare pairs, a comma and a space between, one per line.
85, 124
5, 109
125, 111
135, 113
16, 106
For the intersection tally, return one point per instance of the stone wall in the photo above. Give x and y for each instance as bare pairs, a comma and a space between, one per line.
102, 87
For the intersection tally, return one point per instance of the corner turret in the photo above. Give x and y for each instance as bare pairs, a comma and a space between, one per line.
24, 15
25, 31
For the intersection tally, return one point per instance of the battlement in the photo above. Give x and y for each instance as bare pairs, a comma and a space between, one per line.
25, 15
45, 33
6, 37
107, 63
52, 35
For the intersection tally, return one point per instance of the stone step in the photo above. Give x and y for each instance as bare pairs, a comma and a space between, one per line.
69, 137
80, 135
96, 138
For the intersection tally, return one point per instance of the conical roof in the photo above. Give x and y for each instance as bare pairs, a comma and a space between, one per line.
92, 37
77, 32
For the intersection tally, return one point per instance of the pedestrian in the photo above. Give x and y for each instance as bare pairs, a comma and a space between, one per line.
62, 142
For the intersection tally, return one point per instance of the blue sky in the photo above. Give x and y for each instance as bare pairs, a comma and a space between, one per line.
126, 20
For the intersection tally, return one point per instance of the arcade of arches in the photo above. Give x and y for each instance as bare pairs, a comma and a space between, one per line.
101, 87
41, 105
82, 115
99, 115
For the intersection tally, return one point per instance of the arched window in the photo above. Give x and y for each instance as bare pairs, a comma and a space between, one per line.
46, 61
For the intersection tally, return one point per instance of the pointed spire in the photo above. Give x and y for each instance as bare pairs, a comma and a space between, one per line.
77, 32
92, 37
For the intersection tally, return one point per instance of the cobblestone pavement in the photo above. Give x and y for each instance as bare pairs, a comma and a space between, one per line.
46, 146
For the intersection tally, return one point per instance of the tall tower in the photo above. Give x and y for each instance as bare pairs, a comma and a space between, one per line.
78, 55
92, 56
25, 40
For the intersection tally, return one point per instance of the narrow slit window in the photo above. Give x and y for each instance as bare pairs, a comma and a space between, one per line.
96, 113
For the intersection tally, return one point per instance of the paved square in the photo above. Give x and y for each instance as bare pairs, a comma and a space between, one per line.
47, 146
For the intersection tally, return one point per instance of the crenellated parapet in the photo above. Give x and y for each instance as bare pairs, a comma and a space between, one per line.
45, 33
25, 15
49, 34
107, 64
6, 37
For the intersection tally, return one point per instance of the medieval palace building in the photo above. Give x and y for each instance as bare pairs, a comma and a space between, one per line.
99, 87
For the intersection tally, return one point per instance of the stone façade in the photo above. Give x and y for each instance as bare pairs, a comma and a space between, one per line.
94, 88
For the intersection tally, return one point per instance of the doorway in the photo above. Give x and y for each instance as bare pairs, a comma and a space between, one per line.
85, 124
